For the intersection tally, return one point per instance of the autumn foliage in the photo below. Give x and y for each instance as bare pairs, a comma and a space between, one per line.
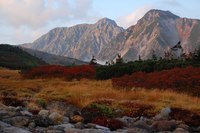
181, 79
69, 73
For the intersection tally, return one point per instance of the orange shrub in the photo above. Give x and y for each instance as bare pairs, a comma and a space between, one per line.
181, 79
69, 73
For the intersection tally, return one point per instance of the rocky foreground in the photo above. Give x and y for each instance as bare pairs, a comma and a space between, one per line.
19, 120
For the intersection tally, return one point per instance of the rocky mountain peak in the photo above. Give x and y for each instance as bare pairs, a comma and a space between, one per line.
106, 21
155, 13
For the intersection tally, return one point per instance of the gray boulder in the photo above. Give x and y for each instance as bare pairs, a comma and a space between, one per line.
56, 118
19, 121
44, 113
180, 130
15, 130
164, 125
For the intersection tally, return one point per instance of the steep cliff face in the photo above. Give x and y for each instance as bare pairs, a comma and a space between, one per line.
80, 41
156, 32
189, 31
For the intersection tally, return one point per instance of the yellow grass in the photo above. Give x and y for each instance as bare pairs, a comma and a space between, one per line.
85, 92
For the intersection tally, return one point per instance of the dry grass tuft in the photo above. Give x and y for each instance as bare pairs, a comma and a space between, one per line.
84, 92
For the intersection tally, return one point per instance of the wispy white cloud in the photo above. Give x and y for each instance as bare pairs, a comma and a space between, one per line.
28, 19
37, 13
133, 17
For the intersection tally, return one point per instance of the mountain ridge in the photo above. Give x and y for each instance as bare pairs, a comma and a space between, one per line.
157, 31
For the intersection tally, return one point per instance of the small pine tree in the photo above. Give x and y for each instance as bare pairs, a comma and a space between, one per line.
93, 61
154, 57
119, 59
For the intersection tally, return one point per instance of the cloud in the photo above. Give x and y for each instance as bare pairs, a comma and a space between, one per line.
29, 19
133, 17
37, 13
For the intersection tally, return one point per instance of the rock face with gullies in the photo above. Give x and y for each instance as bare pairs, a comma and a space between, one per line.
157, 31
80, 41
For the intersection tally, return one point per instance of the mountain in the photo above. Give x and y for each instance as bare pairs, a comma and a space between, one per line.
15, 58
81, 41
54, 59
155, 33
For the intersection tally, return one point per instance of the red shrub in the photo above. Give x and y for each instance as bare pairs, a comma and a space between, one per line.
187, 79
190, 118
69, 73
113, 124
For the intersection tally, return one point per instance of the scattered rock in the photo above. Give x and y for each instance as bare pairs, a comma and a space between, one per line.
73, 130
164, 125
15, 130
63, 126
56, 118
26, 113
76, 119
65, 120
128, 120
142, 125
95, 126
163, 115
3, 124
180, 130
63, 108
31, 125
137, 130
19, 121
79, 125
43, 122
44, 113
183, 126
54, 131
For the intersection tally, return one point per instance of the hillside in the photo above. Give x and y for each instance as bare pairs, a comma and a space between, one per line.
80, 42
54, 59
15, 58
157, 31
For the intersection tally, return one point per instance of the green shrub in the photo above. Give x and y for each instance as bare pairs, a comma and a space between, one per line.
41, 102
103, 109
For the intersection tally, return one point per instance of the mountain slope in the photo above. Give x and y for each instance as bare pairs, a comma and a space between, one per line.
54, 59
156, 32
15, 58
80, 41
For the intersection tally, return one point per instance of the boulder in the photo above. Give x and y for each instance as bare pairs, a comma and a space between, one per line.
3, 124
73, 130
76, 119
65, 120
15, 130
31, 125
19, 121
42, 122
54, 131
142, 125
183, 126
64, 126
163, 115
164, 125
180, 130
79, 125
44, 113
26, 113
136, 130
56, 118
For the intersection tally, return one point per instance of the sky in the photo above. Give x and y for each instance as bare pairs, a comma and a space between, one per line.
23, 21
